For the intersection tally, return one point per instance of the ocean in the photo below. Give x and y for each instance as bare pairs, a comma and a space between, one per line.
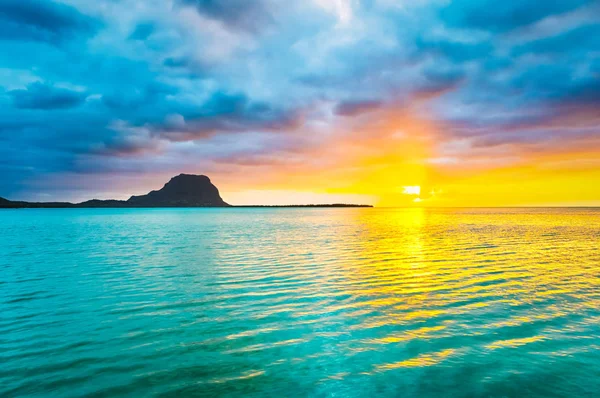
339, 302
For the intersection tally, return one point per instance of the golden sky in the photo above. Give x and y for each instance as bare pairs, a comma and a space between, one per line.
381, 159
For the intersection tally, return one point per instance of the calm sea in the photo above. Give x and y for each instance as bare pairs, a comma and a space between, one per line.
300, 302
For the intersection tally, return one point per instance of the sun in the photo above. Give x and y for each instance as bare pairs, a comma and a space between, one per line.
411, 190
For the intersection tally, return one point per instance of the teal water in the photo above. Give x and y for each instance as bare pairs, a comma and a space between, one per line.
300, 302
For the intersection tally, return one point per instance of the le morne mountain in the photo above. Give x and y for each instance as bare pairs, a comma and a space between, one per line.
184, 190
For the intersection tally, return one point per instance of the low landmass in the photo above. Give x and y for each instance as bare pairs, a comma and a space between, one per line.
184, 190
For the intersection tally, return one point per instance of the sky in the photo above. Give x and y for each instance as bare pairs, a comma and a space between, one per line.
385, 102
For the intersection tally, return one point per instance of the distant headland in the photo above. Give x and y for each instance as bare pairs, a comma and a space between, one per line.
184, 190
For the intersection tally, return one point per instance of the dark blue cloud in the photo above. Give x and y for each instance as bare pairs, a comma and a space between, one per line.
228, 112
455, 51
501, 16
128, 98
41, 96
177, 62
558, 83
243, 15
574, 41
142, 31
44, 21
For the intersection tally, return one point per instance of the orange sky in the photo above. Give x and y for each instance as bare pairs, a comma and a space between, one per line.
371, 160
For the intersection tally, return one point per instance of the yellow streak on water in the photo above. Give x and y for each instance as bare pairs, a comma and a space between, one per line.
419, 361
514, 342
421, 333
244, 376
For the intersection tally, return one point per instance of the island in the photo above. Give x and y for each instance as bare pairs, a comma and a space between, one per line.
184, 190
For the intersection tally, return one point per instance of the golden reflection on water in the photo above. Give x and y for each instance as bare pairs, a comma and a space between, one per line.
514, 342
419, 361
348, 302
420, 288
437, 277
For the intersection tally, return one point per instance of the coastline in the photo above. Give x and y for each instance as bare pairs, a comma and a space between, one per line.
6, 204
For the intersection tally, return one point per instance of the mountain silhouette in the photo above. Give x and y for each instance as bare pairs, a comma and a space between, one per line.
184, 190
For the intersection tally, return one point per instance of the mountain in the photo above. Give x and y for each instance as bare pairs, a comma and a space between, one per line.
184, 190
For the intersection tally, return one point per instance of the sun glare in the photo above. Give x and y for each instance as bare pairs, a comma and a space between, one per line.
411, 190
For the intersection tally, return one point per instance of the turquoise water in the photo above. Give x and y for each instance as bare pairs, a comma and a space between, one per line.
300, 302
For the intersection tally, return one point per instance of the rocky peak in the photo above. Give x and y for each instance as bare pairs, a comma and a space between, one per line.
182, 190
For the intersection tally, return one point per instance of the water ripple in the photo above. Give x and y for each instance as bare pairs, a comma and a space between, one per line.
300, 302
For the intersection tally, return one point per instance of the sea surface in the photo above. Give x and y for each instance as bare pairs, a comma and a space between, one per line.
300, 302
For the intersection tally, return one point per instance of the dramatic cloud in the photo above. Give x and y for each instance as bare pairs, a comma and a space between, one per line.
40, 96
43, 21
122, 89
142, 31
237, 14
502, 16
